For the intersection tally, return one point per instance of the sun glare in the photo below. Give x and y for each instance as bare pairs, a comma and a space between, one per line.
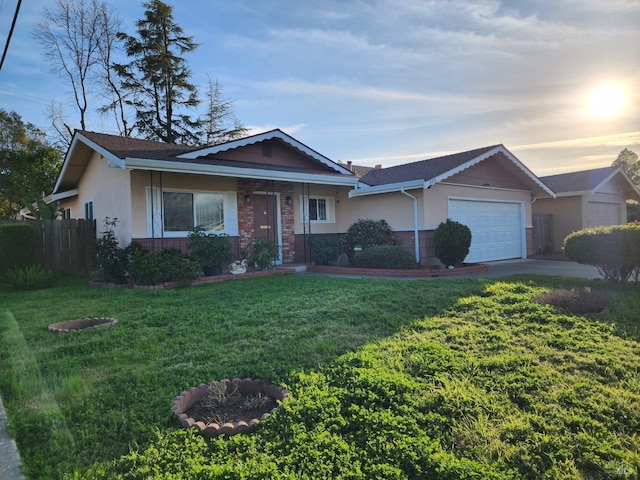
606, 101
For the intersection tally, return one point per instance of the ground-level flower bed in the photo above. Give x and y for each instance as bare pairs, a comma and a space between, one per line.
469, 269
227, 406
81, 324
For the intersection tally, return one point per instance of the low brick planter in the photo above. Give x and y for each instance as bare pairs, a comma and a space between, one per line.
250, 386
413, 273
81, 324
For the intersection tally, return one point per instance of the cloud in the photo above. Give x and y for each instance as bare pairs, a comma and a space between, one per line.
617, 140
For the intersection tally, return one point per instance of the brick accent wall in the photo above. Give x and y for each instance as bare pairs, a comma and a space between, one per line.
246, 213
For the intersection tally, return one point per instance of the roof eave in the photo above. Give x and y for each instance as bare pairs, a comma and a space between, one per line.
362, 190
225, 171
112, 160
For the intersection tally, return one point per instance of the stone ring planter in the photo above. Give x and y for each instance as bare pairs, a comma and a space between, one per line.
81, 324
247, 386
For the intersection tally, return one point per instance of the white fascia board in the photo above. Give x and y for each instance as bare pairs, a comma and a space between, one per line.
112, 160
490, 153
223, 171
362, 190
54, 197
279, 134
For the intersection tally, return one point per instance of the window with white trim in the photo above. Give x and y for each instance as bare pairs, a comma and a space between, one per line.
66, 213
88, 210
315, 209
184, 211
173, 213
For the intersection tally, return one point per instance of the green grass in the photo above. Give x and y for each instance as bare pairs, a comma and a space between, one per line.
388, 379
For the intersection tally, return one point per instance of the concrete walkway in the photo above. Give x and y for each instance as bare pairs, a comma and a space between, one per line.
9, 458
563, 268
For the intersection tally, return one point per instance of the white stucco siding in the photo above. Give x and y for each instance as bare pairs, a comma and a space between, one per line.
395, 208
110, 190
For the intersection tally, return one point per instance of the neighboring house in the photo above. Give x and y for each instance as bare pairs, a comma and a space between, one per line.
272, 186
589, 198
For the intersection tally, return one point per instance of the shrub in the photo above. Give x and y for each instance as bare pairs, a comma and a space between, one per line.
325, 249
368, 233
614, 251
209, 249
113, 261
32, 277
17, 244
261, 253
385, 256
452, 242
169, 265
578, 301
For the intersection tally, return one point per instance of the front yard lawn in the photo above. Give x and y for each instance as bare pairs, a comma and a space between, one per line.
389, 379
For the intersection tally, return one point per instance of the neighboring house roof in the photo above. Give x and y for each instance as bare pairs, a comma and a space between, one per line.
426, 173
138, 154
589, 181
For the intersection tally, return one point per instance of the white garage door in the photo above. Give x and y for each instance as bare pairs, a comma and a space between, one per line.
603, 214
496, 228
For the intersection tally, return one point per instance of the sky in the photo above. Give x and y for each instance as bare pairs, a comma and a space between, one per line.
394, 81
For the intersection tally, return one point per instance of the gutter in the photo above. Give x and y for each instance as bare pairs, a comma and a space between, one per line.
415, 223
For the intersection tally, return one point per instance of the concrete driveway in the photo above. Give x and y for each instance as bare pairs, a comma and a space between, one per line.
564, 268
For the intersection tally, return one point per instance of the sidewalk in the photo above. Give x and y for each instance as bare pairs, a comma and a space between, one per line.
9, 457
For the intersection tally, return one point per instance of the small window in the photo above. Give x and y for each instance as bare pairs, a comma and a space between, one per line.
66, 213
88, 210
317, 209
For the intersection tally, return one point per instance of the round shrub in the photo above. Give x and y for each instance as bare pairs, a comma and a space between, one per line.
452, 241
385, 256
368, 233
17, 244
615, 250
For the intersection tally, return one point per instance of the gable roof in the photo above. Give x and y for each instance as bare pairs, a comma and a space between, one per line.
426, 173
588, 181
139, 154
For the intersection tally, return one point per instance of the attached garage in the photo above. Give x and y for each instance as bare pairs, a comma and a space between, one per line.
603, 214
497, 228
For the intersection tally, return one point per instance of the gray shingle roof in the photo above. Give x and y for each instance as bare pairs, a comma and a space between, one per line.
123, 147
584, 180
424, 169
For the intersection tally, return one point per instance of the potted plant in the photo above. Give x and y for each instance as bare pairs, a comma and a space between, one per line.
262, 253
210, 250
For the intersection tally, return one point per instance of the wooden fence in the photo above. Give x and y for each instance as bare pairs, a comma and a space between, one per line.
542, 233
66, 247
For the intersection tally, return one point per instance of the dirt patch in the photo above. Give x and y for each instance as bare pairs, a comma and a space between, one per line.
227, 406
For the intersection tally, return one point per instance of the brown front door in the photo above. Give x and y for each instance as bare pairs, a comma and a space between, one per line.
265, 217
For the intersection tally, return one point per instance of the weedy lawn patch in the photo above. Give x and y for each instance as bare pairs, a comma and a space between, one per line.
387, 379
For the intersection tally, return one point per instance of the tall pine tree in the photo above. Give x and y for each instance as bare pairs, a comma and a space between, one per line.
157, 78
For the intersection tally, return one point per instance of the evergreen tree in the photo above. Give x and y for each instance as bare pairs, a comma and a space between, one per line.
628, 161
158, 77
219, 124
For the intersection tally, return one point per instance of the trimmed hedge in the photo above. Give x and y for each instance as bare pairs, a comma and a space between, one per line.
368, 233
18, 246
615, 250
385, 256
452, 242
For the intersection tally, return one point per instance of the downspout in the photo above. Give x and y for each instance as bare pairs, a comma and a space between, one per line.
415, 223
